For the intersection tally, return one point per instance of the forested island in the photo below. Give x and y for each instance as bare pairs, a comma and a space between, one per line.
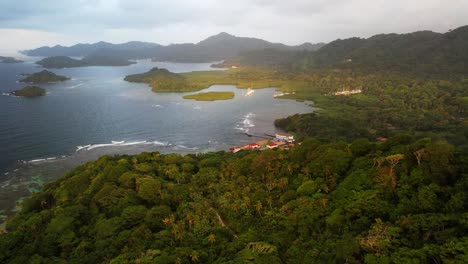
210, 96
9, 60
59, 62
29, 91
44, 77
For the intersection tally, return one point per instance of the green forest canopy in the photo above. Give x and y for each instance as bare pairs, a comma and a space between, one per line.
402, 201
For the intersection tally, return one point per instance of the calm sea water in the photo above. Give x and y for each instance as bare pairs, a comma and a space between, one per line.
98, 113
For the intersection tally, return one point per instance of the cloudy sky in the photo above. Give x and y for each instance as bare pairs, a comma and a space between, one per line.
32, 23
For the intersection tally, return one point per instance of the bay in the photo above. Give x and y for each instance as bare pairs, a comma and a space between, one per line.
98, 113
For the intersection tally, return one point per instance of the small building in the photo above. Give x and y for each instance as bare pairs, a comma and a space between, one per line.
235, 149
382, 139
284, 137
254, 146
348, 92
272, 145
234, 67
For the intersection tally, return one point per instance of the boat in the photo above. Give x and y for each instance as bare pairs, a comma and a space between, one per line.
249, 92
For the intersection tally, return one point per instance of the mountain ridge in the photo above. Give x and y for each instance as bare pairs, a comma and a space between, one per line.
213, 48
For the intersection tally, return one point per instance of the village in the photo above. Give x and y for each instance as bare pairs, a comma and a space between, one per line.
279, 140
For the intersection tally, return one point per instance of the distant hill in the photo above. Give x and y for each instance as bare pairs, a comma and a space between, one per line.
9, 60
81, 50
218, 47
58, 62
422, 52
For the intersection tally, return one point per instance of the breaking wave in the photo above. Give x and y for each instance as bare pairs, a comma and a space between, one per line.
246, 123
121, 144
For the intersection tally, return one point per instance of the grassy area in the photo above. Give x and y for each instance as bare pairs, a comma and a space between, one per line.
210, 96
242, 78
161, 80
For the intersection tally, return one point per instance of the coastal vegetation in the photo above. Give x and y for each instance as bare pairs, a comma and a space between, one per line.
379, 177
29, 91
402, 201
59, 62
210, 96
44, 77
162, 80
389, 103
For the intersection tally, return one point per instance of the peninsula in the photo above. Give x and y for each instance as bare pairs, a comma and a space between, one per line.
162, 80
29, 91
210, 96
44, 77
9, 60
58, 62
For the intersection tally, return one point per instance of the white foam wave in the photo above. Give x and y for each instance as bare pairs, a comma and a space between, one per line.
158, 143
9, 94
246, 123
185, 147
74, 86
5, 184
36, 160
41, 160
120, 144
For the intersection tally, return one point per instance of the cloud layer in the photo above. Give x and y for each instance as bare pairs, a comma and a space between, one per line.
174, 21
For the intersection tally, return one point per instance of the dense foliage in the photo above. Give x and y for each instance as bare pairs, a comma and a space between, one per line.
422, 53
95, 60
388, 104
210, 96
44, 77
403, 201
29, 91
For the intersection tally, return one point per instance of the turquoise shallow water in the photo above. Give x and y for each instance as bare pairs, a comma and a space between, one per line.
98, 113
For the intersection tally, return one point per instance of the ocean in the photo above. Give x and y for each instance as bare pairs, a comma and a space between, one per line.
98, 113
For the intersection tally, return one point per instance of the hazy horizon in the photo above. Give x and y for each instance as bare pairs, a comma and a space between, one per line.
31, 24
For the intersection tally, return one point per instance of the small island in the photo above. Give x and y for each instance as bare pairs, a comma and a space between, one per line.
29, 91
210, 96
59, 62
9, 60
44, 77
162, 80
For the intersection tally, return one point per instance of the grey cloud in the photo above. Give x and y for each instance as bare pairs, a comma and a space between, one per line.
292, 21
